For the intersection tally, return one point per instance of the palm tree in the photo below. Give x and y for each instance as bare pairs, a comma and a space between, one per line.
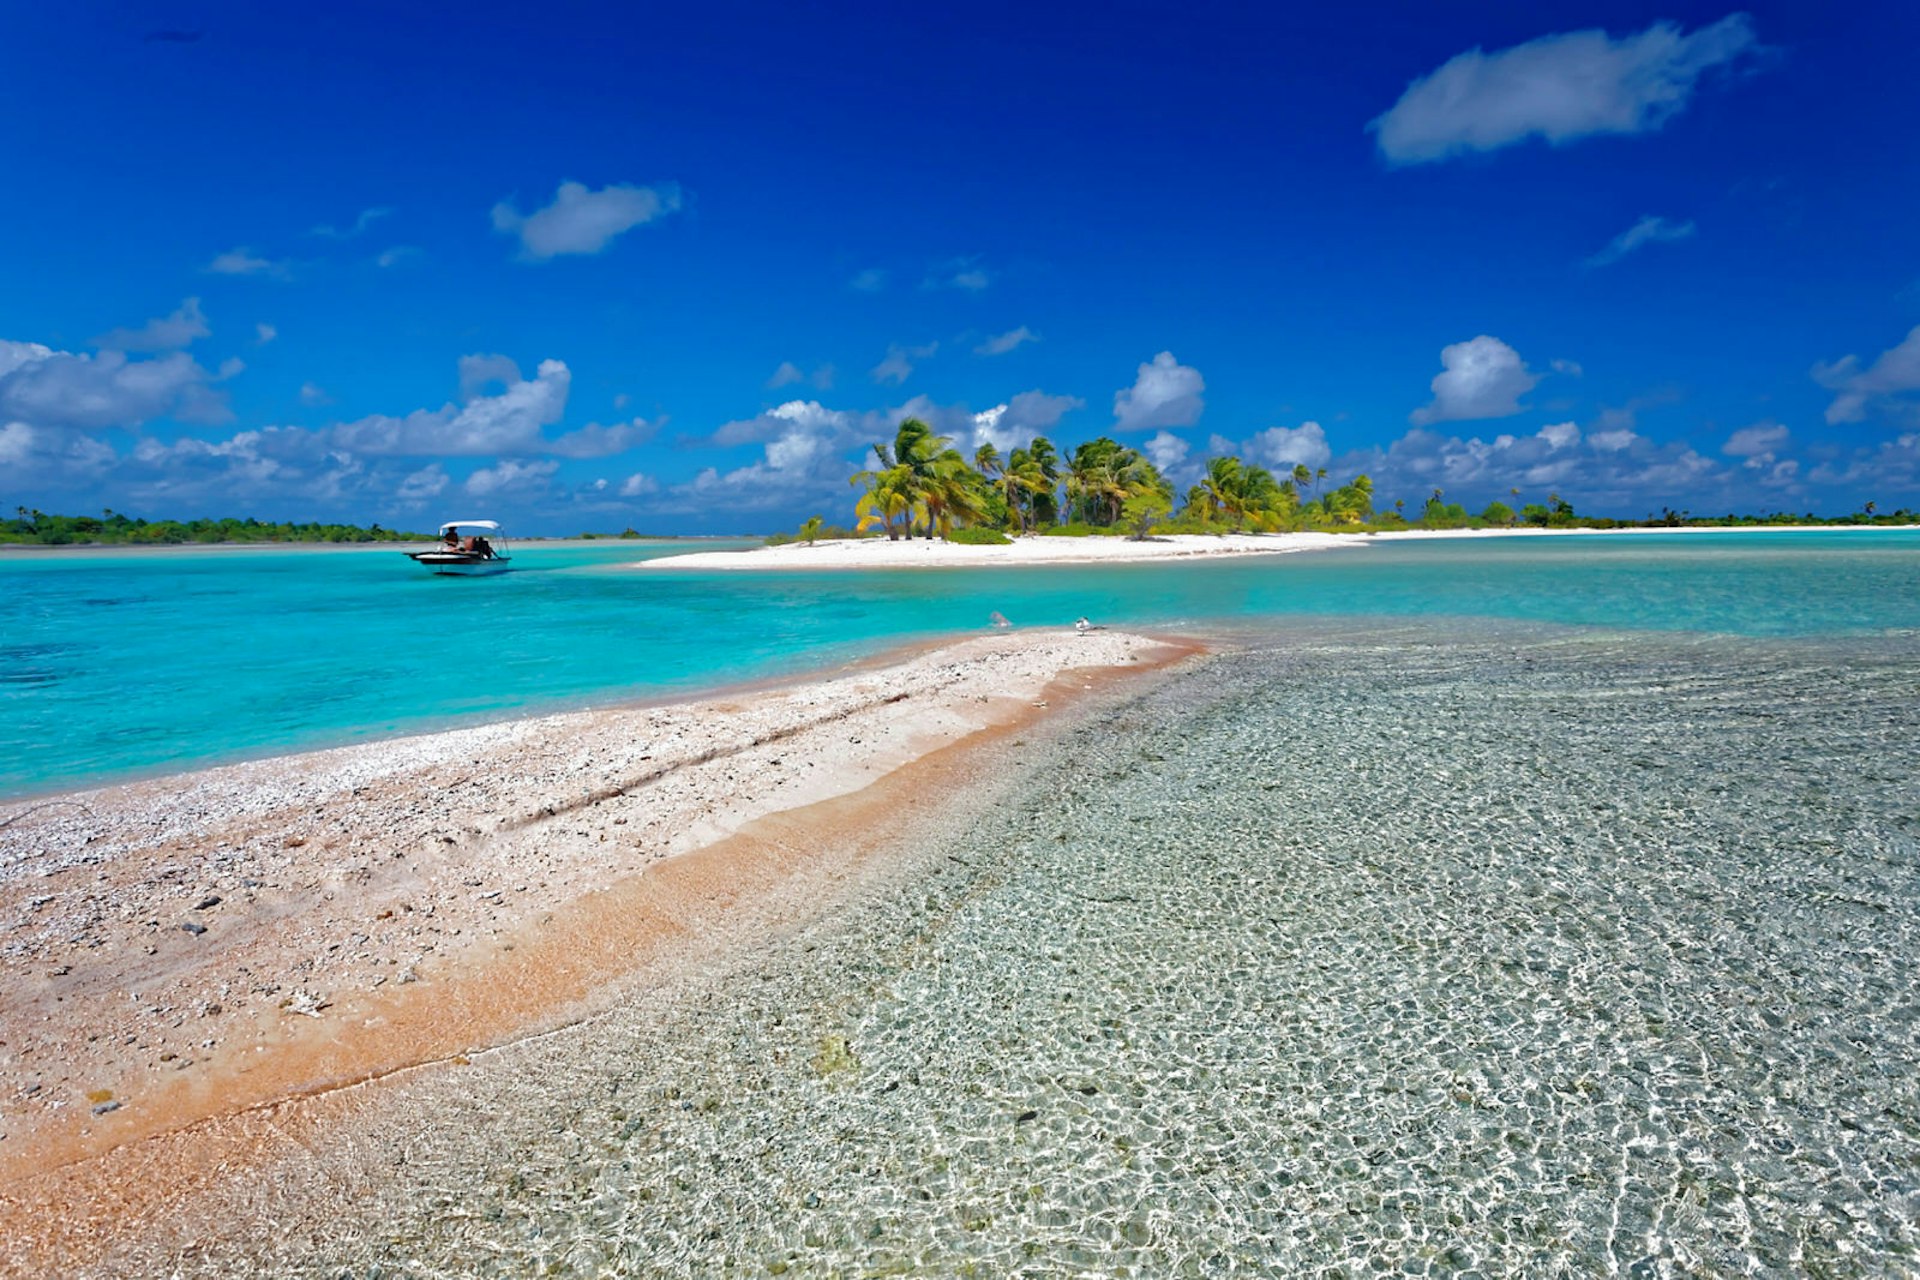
1021, 480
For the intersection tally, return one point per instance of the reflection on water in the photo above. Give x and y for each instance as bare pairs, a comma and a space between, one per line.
1404, 951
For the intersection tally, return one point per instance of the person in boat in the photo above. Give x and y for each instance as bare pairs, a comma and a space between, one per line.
450, 539
480, 546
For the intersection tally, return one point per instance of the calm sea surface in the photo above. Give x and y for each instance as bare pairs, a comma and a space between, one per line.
1546, 908
116, 666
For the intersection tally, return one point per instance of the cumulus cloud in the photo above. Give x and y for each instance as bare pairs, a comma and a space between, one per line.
47, 388
245, 262
1480, 378
182, 328
1168, 452
1014, 424
1000, 344
428, 482
510, 475
1648, 230
897, 367
1762, 438
1610, 469
1887, 385
639, 485
1165, 393
507, 423
480, 372
1288, 447
314, 395
583, 221
1559, 87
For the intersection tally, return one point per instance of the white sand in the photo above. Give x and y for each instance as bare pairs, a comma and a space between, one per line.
879, 553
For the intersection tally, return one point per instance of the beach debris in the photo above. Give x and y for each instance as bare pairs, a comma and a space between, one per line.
306, 1003
102, 1108
189, 926
999, 620
211, 900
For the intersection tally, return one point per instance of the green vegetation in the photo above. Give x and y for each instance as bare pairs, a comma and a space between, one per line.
922, 487
831, 532
111, 528
980, 538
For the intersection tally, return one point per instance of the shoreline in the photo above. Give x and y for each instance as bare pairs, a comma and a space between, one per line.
92, 550
1039, 549
191, 950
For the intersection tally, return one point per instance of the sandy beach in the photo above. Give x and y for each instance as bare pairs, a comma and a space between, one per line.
919, 553
188, 950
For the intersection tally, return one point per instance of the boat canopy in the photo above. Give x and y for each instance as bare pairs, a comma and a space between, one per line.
469, 524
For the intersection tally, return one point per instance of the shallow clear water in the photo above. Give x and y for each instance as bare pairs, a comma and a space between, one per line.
119, 665
1412, 948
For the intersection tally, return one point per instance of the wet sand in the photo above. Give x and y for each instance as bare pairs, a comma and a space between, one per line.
199, 968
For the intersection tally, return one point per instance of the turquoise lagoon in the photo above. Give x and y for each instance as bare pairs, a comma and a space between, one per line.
116, 666
1545, 908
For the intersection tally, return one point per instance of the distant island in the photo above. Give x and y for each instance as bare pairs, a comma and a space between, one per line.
113, 528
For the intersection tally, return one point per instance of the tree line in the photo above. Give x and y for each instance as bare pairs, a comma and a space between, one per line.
920, 485
112, 528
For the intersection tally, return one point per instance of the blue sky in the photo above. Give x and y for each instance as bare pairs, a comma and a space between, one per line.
578, 268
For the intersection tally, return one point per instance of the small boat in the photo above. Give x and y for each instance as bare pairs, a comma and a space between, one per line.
468, 548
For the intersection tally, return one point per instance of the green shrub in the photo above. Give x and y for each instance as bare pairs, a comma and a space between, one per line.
980, 537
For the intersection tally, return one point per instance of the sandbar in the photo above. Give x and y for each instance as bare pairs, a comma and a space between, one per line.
192, 960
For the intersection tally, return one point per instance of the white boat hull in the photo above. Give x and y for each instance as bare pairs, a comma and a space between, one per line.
460, 564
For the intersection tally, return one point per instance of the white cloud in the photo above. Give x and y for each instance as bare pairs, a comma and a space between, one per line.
583, 221
1560, 435
314, 395
479, 372
263, 333
1165, 393
429, 481
1000, 344
1480, 378
1648, 230
1015, 423
47, 388
639, 485
166, 333
1613, 440
871, 280
897, 367
1569, 367
366, 219
510, 475
1289, 447
1884, 385
1761, 437
506, 423
787, 374
245, 262
1166, 451
596, 441
1559, 87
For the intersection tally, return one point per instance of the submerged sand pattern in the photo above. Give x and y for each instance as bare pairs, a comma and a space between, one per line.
1491, 952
